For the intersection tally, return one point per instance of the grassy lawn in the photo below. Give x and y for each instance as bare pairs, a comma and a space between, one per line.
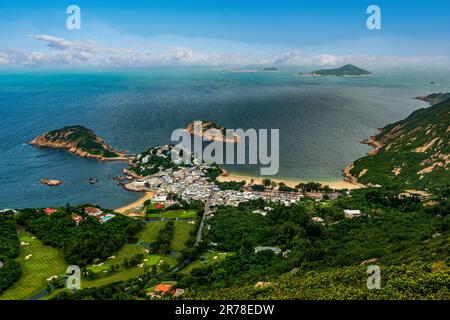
181, 234
150, 231
127, 251
44, 263
207, 258
122, 275
154, 259
186, 214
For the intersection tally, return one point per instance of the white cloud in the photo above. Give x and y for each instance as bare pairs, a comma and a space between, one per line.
63, 52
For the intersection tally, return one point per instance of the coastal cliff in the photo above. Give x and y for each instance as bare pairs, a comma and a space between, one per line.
411, 153
80, 141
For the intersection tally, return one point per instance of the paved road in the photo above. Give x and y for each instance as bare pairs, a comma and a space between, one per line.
207, 212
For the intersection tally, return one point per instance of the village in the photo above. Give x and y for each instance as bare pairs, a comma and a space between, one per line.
191, 184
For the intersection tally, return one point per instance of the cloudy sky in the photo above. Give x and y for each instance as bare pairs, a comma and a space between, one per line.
294, 33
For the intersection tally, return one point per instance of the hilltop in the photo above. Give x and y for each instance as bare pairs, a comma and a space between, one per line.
413, 152
347, 70
80, 141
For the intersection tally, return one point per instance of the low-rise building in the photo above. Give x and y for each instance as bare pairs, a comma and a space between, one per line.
262, 248
49, 211
352, 213
93, 211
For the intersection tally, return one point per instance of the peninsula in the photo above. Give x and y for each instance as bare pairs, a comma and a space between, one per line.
80, 141
434, 97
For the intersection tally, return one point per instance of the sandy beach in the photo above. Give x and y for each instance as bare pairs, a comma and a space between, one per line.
337, 184
137, 203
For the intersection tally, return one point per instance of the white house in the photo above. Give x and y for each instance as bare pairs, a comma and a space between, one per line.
160, 197
352, 213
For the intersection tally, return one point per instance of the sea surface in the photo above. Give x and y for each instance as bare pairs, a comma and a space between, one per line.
321, 121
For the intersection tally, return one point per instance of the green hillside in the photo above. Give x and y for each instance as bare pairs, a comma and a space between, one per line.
76, 139
411, 153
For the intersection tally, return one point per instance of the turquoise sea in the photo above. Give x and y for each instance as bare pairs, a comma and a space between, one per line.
321, 121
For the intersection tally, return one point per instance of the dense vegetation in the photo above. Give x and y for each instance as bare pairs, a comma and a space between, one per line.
397, 282
408, 239
393, 232
230, 185
152, 161
84, 243
164, 238
10, 270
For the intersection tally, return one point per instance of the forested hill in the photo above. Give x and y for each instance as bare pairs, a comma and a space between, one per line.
78, 140
411, 153
347, 70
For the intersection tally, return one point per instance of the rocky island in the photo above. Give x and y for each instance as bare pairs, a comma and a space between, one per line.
51, 182
411, 153
348, 70
434, 97
80, 141
211, 131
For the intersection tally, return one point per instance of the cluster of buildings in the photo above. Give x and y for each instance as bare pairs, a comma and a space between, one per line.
90, 211
98, 214
191, 184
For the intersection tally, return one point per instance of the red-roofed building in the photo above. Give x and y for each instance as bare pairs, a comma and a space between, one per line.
77, 219
160, 290
159, 206
163, 288
93, 211
49, 211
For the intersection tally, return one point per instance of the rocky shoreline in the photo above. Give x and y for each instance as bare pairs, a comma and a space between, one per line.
44, 141
373, 142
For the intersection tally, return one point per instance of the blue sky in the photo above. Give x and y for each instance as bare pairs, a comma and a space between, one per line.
291, 32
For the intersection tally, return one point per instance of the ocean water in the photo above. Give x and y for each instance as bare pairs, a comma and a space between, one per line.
321, 121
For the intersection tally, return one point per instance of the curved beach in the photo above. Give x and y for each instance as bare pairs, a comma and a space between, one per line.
147, 196
337, 184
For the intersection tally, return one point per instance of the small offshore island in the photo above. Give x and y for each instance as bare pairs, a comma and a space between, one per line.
51, 182
211, 131
348, 70
80, 141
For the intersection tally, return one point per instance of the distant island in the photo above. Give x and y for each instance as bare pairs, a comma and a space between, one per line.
80, 141
348, 70
412, 153
215, 132
270, 69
